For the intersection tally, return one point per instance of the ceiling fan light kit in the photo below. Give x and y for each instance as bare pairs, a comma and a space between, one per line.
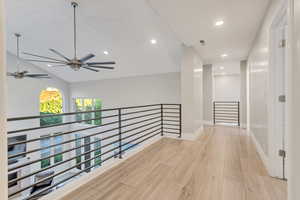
24, 74
74, 63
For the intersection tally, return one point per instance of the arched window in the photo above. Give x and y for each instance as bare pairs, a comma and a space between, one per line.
51, 102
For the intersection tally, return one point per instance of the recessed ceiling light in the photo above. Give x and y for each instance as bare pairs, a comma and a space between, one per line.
219, 23
49, 65
221, 68
224, 55
105, 52
153, 41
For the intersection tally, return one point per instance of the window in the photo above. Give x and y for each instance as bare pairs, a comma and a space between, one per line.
58, 149
45, 142
51, 103
97, 152
78, 151
88, 104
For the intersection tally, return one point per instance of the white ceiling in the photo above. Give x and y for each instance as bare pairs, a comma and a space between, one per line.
124, 28
193, 20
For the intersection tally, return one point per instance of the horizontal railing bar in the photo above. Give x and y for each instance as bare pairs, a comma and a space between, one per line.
130, 113
171, 112
167, 120
79, 130
55, 125
170, 108
129, 136
171, 116
135, 123
38, 160
171, 104
167, 124
174, 129
132, 107
66, 151
170, 132
25, 188
65, 142
74, 113
63, 133
63, 171
73, 140
125, 120
65, 161
123, 132
226, 101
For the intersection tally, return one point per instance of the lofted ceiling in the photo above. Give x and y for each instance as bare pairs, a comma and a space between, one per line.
194, 20
123, 28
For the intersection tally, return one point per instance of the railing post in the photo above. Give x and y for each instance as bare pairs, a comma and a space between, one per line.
180, 121
120, 132
214, 112
162, 120
239, 123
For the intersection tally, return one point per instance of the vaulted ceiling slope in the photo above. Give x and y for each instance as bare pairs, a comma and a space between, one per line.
123, 28
194, 20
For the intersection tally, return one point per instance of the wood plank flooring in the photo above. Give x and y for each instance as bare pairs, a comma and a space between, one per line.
221, 165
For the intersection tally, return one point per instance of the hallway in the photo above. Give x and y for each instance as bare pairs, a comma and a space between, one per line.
221, 165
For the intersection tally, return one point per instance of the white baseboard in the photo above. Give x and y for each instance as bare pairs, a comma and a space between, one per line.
261, 153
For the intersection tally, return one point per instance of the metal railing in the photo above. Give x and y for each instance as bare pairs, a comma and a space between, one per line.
120, 130
226, 112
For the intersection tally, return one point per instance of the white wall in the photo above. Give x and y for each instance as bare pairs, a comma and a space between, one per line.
132, 91
227, 87
293, 101
207, 93
3, 136
260, 86
191, 92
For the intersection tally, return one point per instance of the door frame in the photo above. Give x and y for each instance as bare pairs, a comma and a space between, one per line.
276, 140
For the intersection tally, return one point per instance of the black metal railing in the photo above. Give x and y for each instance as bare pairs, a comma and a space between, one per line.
120, 130
226, 112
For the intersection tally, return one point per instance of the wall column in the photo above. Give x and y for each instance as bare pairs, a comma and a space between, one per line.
243, 94
293, 98
3, 134
207, 94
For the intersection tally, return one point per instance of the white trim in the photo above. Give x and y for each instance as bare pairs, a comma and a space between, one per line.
76, 184
261, 152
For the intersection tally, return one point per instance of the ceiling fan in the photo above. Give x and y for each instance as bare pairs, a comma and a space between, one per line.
74, 62
22, 74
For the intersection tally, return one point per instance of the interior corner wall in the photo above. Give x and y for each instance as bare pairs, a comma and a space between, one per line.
243, 94
207, 93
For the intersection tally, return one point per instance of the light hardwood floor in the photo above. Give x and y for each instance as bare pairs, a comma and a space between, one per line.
221, 165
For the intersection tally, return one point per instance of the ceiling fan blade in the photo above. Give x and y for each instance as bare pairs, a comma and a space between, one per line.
33, 76
64, 65
46, 61
87, 57
59, 54
91, 69
30, 54
10, 74
101, 63
37, 75
102, 67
